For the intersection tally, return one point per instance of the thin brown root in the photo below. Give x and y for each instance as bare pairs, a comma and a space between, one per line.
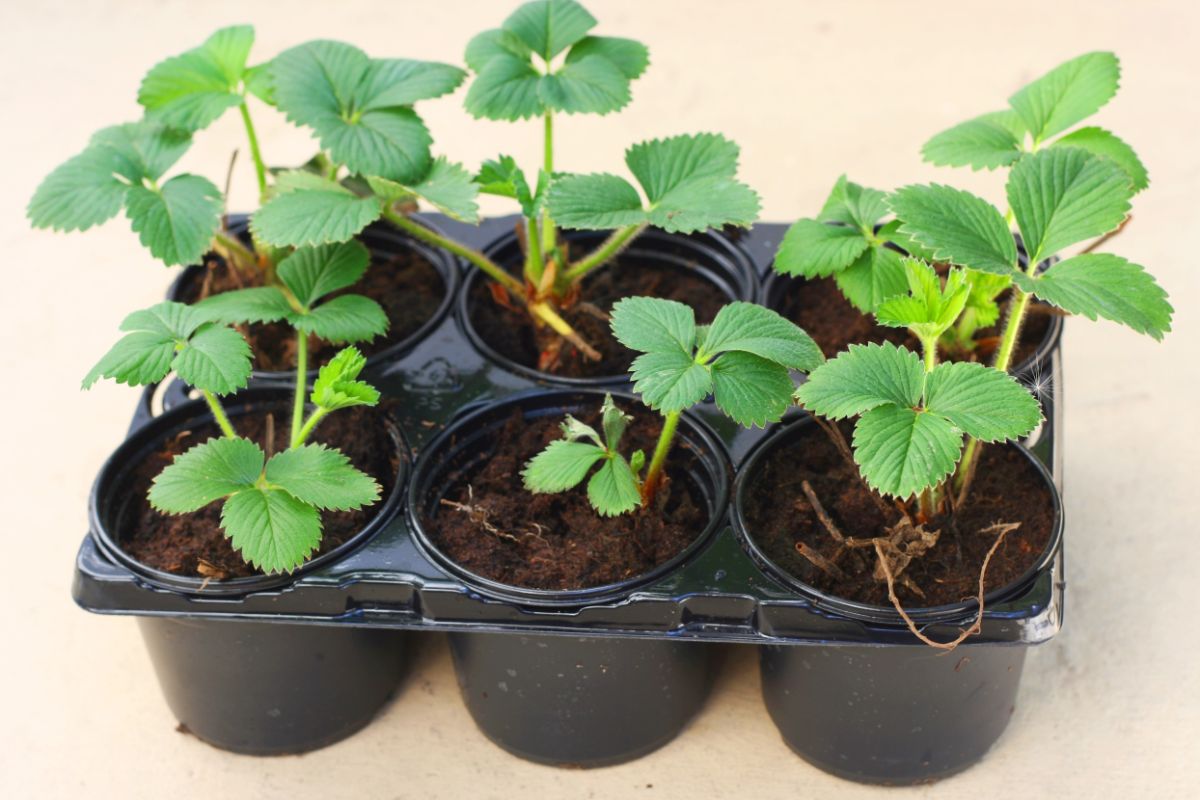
820, 562
270, 435
479, 516
843, 447
1001, 529
821, 513
591, 309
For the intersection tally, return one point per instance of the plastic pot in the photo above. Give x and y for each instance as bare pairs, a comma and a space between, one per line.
570, 700
886, 708
710, 254
252, 687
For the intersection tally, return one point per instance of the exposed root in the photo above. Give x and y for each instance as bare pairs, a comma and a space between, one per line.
820, 562
479, 516
821, 513
591, 309
843, 447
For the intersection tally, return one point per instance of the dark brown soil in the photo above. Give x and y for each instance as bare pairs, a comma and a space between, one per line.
406, 285
511, 333
558, 541
1006, 489
819, 308
194, 545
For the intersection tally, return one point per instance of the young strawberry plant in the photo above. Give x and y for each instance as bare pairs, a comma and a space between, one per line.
271, 501
742, 360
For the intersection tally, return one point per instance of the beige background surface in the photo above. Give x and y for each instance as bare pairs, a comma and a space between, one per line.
1111, 708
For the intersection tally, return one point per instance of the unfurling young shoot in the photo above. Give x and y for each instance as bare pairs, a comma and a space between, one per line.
272, 502
742, 360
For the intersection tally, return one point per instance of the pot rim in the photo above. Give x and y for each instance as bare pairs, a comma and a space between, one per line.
864, 612
732, 254
113, 475
561, 398
380, 240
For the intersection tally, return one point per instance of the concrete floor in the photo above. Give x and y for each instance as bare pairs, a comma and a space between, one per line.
1111, 708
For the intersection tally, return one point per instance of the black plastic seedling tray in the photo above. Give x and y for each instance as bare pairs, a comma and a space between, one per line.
720, 594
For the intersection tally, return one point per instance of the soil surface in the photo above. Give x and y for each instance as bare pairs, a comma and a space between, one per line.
1007, 489
511, 333
194, 544
819, 308
558, 541
406, 285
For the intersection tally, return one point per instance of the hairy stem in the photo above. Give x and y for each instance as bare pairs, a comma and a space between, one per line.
613, 245
489, 267
301, 386
535, 262
260, 169
659, 459
549, 234
218, 412
929, 500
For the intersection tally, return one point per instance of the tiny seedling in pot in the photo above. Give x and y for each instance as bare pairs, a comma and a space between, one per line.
743, 360
272, 502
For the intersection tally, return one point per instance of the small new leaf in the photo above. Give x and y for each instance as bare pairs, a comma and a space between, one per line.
337, 385
929, 309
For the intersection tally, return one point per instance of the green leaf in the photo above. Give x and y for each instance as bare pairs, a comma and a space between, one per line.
449, 188
574, 430
393, 82
190, 91
337, 386
901, 452
587, 85
314, 272
751, 328
169, 319
80, 193
258, 82
207, 472
215, 359
496, 42
957, 226
323, 477
273, 530
986, 142
670, 380
1061, 196
502, 177
877, 275
346, 318
986, 403
250, 305
891, 233
929, 309
1103, 143
137, 359
661, 166
650, 324
1104, 285
506, 89
854, 205
630, 57
984, 288
562, 465
547, 27
614, 421
142, 150
315, 216
750, 389
613, 489
176, 222
1067, 94
862, 378
813, 249
598, 202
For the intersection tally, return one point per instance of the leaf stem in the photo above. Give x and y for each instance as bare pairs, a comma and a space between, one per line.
309, 426
489, 267
237, 250
218, 412
301, 386
535, 263
260, 169
654, 473
613, 245
931, 498
549, 233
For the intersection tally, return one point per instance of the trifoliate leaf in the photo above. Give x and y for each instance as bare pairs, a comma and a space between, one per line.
313, 272
1063, 195
216, 359
813, 249
901, 452
1100, 142
321, 213
191, 90
271, 529
873, 277
322, 477
1067, 94
670, 380
629, 56
986, 403
986, 142
613, 489
751, 390
751, 328
957, 227
176, 221
337, 386
250, 305
562, 465
650, 324
207, 472
854, 205
592, 85
346, 318
862, 378
547, 27
929, 309
1107, 286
